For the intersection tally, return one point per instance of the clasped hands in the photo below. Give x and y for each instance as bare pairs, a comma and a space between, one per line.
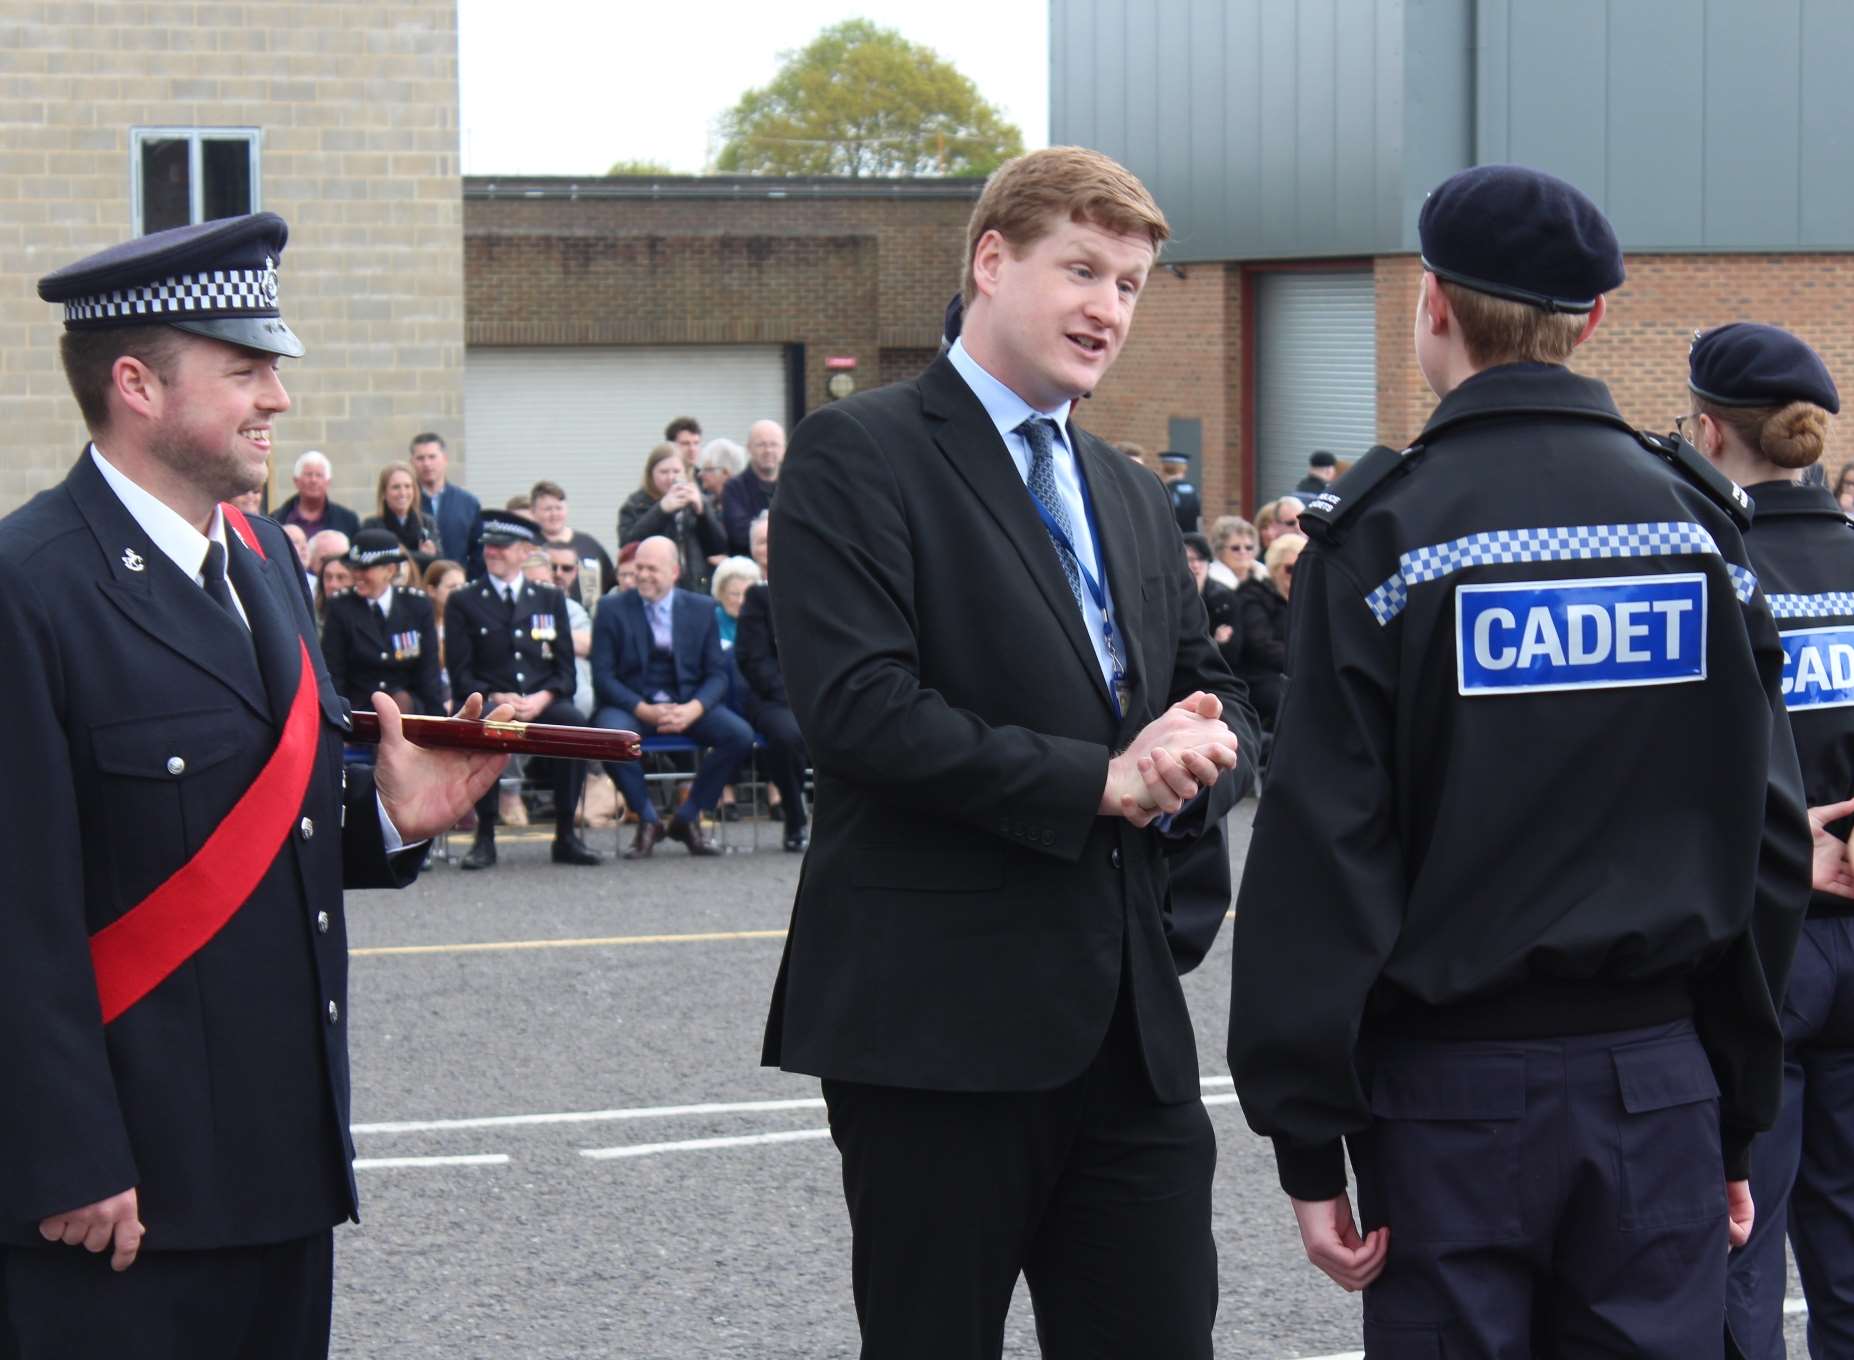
1175, 757
670, 719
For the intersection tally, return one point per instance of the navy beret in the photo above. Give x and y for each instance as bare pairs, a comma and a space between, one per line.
1521, 234
505, 527
1322, 458
372, 547
1745, 364
217, 279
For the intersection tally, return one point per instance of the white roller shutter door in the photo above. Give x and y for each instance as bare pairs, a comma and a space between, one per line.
587, 416
1315, 372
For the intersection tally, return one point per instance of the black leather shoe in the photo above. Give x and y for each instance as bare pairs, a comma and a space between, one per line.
730, 812
482, 855
796, 839
691, 835
572, 850
648, 834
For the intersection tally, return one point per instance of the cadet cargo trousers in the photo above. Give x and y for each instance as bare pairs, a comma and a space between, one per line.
1802, 1170
1559, 1198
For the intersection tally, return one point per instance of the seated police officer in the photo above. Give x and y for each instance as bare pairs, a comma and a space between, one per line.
1523, 894
507, 636
381, 637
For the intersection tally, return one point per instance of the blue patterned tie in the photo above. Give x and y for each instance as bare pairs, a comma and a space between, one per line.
1038, 434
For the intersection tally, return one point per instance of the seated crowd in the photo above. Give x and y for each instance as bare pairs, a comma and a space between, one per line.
432, 597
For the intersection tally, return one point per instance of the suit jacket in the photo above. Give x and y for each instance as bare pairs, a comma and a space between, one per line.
460, 531
965, 918
365, 654
756, 647
138, 714
336, 517
621, 645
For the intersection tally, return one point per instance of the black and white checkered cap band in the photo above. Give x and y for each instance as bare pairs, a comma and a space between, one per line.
373, 557
218, 292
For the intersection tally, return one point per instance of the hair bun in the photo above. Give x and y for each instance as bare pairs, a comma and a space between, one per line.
1794, 435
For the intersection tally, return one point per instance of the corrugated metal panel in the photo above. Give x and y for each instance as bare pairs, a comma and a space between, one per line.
1315, 372
587, 416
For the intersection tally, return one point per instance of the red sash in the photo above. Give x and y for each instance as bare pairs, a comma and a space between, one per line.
137, 951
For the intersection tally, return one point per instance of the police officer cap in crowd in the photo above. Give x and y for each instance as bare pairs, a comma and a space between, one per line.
1520, 234
1175, 458
1321, 458
1745, 364
503, 528
376, 547
217, 279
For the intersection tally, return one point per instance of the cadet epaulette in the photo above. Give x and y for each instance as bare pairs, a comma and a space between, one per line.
1693, 465
1329, 509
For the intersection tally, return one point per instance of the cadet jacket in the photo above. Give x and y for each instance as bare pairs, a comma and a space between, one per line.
137, 715
1802, 548
519, 647
1533, 775
366, 653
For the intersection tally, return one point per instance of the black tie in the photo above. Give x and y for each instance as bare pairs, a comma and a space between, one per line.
379, 614
213, 569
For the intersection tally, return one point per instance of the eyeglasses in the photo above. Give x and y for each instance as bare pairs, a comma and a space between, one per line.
1681, 423
1239, 547
565, 568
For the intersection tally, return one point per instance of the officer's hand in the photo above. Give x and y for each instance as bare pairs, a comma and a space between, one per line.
1832, 872
95, 1226
1333, 1243
425, 792
1740, 1213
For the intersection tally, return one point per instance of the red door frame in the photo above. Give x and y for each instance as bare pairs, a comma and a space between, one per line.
1247, 414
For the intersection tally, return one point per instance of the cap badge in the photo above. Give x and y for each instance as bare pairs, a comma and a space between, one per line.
132, 559
268, 281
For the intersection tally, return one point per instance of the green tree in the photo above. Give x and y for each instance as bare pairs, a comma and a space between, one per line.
639, 168
863, 100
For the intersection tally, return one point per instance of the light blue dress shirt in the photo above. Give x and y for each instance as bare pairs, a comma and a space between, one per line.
1007, 411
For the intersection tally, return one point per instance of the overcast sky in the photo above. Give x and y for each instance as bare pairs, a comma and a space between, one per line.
566, 87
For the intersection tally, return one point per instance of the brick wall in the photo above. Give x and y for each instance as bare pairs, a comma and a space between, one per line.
358, 107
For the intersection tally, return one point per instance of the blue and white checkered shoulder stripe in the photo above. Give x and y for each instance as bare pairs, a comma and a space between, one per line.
1834, 604
1570, 543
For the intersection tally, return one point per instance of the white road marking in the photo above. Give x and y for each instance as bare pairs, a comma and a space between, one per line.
393, 1163
1795, 1306
700, 1144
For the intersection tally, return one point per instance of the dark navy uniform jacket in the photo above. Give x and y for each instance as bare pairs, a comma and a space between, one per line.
523, 647
365, 654
136, 714
1533, 775
1802, 548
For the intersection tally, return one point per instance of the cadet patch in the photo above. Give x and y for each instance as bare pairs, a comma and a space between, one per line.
1610, 633
1818, 668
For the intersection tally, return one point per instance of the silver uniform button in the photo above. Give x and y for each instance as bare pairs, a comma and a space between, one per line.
334, 1014
175, 765
307, 828
519, 677
321, 922
382, 656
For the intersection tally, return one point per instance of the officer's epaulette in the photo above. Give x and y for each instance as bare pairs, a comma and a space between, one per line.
1692, 464
1329, 509
343, 593
410, 590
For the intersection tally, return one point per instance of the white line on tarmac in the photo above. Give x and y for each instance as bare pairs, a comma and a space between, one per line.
392, 1163
509, 1121
699, 1144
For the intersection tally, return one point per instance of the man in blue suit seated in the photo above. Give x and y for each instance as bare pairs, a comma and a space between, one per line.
657, 667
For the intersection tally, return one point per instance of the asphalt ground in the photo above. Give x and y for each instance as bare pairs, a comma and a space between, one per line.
526, 1017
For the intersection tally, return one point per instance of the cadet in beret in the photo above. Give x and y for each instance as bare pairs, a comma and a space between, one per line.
1761, 404
511, 638
173, 1001
1534, 855
382, 638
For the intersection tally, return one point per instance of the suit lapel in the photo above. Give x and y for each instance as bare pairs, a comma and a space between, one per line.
1118, 549
157, 597
970, 441
273, 633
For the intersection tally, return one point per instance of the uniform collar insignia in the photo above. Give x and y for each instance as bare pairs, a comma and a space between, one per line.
132, 559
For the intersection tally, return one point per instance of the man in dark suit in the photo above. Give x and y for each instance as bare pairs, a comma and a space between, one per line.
979, 605
510, 639
173, 957
458, 512
657, 666
756, 652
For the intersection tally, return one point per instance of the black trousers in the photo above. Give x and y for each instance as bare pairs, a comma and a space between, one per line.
234, 1303
785, 758
569, 777
1096, 1193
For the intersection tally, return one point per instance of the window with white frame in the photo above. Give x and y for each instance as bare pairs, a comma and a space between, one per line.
182, 175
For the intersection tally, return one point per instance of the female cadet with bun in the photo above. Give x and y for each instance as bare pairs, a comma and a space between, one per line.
1761, 406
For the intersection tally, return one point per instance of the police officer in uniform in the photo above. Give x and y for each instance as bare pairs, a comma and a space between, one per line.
382, 638
509, 638
1761, 402
1187, 505
174, 1001
1534, 855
